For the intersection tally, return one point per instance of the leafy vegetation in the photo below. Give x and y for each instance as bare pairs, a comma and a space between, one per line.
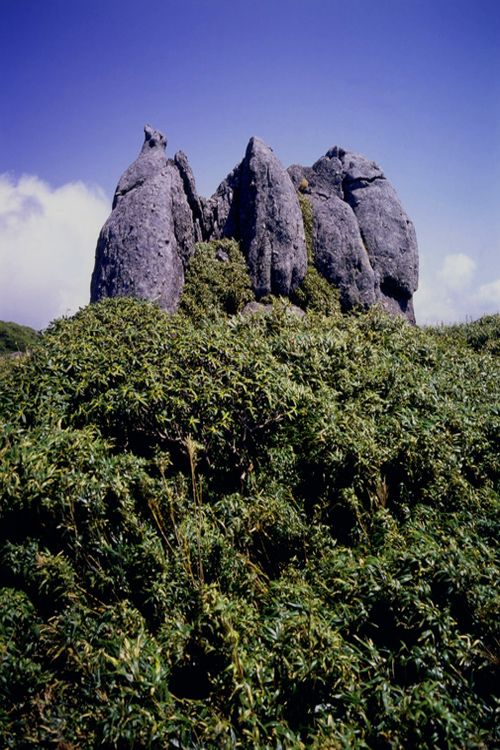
15, 338
250, 532
315, 293
217, 281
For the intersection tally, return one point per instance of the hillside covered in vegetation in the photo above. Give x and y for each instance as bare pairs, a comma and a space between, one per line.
259, 531
15, 338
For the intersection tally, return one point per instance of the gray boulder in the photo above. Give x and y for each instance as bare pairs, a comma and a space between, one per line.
271, 226
363, 241
149, 235
387, 232
258, 206
337, 247
339, 253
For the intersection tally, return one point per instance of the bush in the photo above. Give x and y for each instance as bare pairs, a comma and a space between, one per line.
217, 281
255, 532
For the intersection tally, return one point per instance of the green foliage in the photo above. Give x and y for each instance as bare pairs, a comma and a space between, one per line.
16, 338
480, 335
255, 532
216, 285
307, 219
315, 294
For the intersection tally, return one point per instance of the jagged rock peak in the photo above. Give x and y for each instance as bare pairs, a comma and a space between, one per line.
271, 228
195, 203
153, 139
151, 160
361, 239
150, 234
354, 166
257, 205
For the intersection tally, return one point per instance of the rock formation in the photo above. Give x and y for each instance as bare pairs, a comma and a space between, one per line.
149, 236
258, 205
362, 240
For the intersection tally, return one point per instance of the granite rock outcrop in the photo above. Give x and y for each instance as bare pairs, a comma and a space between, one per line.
364, 243
361, 239
258, 206
150, 235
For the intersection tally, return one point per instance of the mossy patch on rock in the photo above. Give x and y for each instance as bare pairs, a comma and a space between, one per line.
315, 293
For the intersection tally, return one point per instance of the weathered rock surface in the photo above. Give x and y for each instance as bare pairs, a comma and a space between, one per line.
387, 232
150, 161
270, 222
338, 249
258, 206
195, 203
177, 206
149, 235
362, 240
221, 211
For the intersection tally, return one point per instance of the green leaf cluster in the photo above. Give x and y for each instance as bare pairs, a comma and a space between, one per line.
315, 293
217, 281
253, 531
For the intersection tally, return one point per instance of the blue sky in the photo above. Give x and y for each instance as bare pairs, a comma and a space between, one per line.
412, 84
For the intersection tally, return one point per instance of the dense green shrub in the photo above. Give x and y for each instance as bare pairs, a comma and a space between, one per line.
253, 532
217, 281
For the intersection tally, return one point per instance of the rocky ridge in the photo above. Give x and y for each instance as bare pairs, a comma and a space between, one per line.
362, 241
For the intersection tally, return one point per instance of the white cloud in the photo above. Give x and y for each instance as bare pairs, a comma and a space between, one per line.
445, 293
432, 307
490, 295
47, 243
450, 294
457, 271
